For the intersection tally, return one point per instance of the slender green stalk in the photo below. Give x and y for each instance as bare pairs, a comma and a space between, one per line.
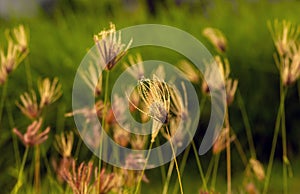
3, 97
216, 166
103, 119
182, 166
103, 123
284, 149
176, 164
228, 153
209, 169
143, 171
14, 138
240, 150
166, 185
246, 124
19, 181
162, 167
274, 142
28, 74
37, 166
199, 166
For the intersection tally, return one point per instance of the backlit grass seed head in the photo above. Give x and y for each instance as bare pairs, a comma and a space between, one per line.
110, 47
230, 84
20, 37
289, 67
258, 169
29, 105
135, 67
9, 60
210, 75
64, 144
189, 71
79, 179
156, 96
107, 182
49, 92
93, 78
32, 137
284, 34
217, 39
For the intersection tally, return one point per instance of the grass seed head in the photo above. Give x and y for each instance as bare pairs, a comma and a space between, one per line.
110, 47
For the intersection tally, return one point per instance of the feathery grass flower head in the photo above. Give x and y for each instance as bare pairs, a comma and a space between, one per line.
230, 84
189, 71
21, 39
289, 67
106, 180
286, 39
284, 35
110, 47
17, 50
49, 92
257, 168
64, 144
217, 39
32, 137
9, 60
29, 105
156, 96
80, 179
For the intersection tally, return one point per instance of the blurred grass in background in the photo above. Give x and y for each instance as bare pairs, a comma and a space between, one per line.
61, 36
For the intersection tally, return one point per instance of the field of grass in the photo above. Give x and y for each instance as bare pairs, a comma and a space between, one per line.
59, 40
